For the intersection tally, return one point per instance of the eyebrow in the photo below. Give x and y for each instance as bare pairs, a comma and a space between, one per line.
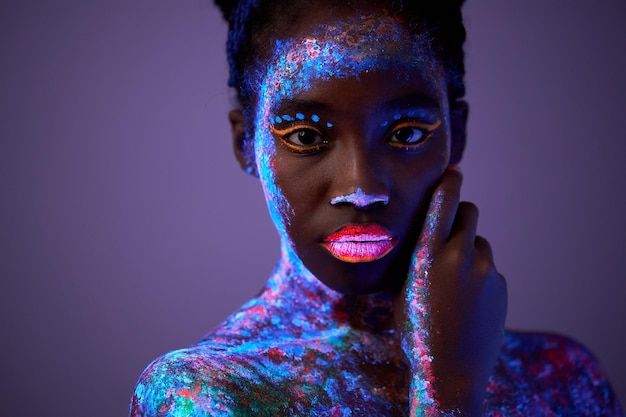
411, 100
292, 104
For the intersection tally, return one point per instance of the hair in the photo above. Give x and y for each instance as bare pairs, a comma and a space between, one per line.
252, 21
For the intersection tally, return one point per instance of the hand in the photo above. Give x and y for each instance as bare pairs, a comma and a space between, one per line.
452, 308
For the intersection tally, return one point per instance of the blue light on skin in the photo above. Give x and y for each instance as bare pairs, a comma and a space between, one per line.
344, 49
227, 373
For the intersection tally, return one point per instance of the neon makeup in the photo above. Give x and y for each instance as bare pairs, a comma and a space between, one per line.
277, 120
428, 119
300, 348
417, 324
359, 243
298, 133
411, 129
338, 50
360, 199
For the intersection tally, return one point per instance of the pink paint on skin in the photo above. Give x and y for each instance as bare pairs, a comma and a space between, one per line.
360, 243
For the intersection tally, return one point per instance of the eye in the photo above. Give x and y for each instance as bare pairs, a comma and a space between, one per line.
304, 137
408, 135
411, 134
301, 139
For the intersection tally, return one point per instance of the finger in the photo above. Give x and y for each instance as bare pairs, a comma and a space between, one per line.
483, 247
465, 224
441, 211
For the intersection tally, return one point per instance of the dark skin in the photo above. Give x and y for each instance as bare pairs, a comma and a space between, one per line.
466, 303
384, 302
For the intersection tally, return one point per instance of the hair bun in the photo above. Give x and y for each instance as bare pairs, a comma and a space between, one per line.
226, 7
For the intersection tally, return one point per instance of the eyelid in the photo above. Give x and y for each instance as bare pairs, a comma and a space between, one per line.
415, 123
292, 128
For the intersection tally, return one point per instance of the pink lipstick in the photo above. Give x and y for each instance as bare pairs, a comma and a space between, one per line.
359, 243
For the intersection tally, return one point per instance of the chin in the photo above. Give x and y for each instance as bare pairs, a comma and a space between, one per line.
388, 273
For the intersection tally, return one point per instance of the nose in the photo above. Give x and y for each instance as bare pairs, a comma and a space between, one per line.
359, 179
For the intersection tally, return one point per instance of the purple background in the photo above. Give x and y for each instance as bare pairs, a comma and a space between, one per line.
128, 230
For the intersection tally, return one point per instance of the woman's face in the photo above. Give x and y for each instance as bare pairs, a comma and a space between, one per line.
351, 135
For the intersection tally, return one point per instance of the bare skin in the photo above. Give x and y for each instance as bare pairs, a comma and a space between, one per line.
353, 131
301, 349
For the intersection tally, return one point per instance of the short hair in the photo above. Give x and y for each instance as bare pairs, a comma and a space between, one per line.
441, 19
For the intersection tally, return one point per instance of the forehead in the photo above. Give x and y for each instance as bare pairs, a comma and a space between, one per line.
341, 48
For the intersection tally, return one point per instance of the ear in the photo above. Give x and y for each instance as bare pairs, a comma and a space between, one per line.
243, 148
458, 129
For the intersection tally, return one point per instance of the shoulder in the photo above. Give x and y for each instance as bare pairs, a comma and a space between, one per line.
553, 350
549, 374
193, 381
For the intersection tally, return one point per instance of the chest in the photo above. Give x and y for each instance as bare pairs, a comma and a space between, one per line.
315, 378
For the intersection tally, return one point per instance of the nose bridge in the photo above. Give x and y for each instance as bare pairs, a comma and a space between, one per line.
360, 181
361, 166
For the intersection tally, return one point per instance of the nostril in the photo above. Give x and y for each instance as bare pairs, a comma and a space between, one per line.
377, 204
341, 203
361, 199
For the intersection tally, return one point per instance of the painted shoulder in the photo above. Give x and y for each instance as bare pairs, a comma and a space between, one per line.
541, 374
186, 382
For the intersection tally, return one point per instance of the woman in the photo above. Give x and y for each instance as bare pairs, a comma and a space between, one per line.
384, 301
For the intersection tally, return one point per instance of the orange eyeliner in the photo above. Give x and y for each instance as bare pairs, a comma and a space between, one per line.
285, 132
413, 123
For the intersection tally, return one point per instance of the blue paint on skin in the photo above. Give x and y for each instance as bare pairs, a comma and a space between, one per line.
298, 117
299, 348
410, 114
343, 49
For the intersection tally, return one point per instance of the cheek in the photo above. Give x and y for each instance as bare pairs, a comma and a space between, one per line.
267, 166
304, 187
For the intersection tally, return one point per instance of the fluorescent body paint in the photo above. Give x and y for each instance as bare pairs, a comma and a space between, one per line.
360, 199
299, 116
301, 349
417, 324
345, 48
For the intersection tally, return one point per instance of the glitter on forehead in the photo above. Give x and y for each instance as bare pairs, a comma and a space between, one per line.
340, 50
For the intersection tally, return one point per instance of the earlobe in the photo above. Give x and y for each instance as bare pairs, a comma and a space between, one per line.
243, 148
458, 129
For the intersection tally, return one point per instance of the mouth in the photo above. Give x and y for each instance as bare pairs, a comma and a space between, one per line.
359, 243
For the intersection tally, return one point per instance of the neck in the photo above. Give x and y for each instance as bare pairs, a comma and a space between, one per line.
299, 296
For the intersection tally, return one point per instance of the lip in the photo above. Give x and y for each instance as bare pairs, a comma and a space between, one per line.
360, 243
